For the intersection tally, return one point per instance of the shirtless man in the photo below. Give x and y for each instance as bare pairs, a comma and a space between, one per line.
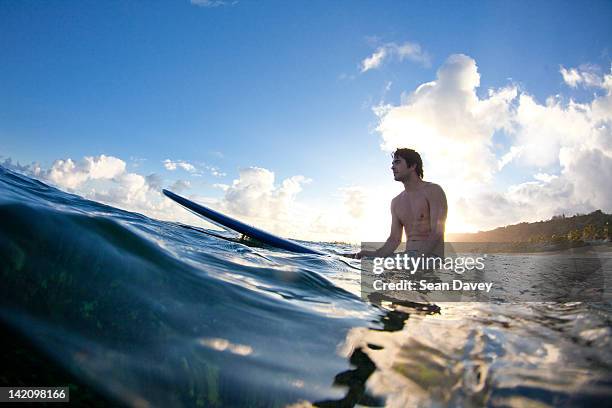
420, 210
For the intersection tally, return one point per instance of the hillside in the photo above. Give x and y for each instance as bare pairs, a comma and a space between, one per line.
559, 229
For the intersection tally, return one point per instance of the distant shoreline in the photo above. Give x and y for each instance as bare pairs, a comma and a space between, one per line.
528, 248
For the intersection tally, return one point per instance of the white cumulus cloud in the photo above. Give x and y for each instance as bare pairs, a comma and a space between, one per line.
407, 50
508, 157
448, 123
566, 145
575, 138
256, 195
587, 75
68, 174
355, 200
180, 185
175, 164
105, 179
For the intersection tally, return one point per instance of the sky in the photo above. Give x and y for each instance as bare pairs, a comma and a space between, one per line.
284, 114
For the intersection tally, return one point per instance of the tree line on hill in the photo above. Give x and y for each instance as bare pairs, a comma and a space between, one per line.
560, 230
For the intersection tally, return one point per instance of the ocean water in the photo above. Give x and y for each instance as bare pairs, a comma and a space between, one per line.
138, 312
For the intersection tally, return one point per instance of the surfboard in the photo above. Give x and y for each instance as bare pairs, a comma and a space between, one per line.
233, 224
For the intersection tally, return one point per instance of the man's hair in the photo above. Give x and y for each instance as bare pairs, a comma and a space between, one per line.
411, 157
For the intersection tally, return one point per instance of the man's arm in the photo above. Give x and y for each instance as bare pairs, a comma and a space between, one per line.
438, 210
395, 238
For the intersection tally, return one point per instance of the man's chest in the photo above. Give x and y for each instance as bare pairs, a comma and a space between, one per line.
413, 207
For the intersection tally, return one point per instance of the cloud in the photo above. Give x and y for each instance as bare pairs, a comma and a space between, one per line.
254, 194
545, 130
574, 138
571, 76
105, 179
375, 60
355, 200
154, 181
587, 75
172, 165
524, 202
221, 186
135, 162
448, 123
563, 150
180, 185
589, 171
215, 171
561, 142
408, 50
255, 197
511, 155
546, 178
30, 169
70, 175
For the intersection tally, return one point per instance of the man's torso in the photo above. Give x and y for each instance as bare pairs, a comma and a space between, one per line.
413, 211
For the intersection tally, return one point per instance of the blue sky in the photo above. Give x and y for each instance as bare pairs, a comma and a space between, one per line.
272, 84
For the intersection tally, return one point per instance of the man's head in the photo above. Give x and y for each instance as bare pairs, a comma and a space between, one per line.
407, 163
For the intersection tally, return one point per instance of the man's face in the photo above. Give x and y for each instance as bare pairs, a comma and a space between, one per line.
401, 171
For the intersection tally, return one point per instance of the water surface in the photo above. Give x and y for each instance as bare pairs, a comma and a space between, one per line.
150, 313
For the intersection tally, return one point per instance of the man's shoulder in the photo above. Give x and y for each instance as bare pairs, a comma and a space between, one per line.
433, 187
397, 197
396, 200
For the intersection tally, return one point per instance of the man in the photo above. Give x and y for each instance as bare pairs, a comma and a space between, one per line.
420, 210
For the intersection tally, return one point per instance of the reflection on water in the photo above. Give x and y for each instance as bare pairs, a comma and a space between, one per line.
361, 341
139, 312
477, 354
